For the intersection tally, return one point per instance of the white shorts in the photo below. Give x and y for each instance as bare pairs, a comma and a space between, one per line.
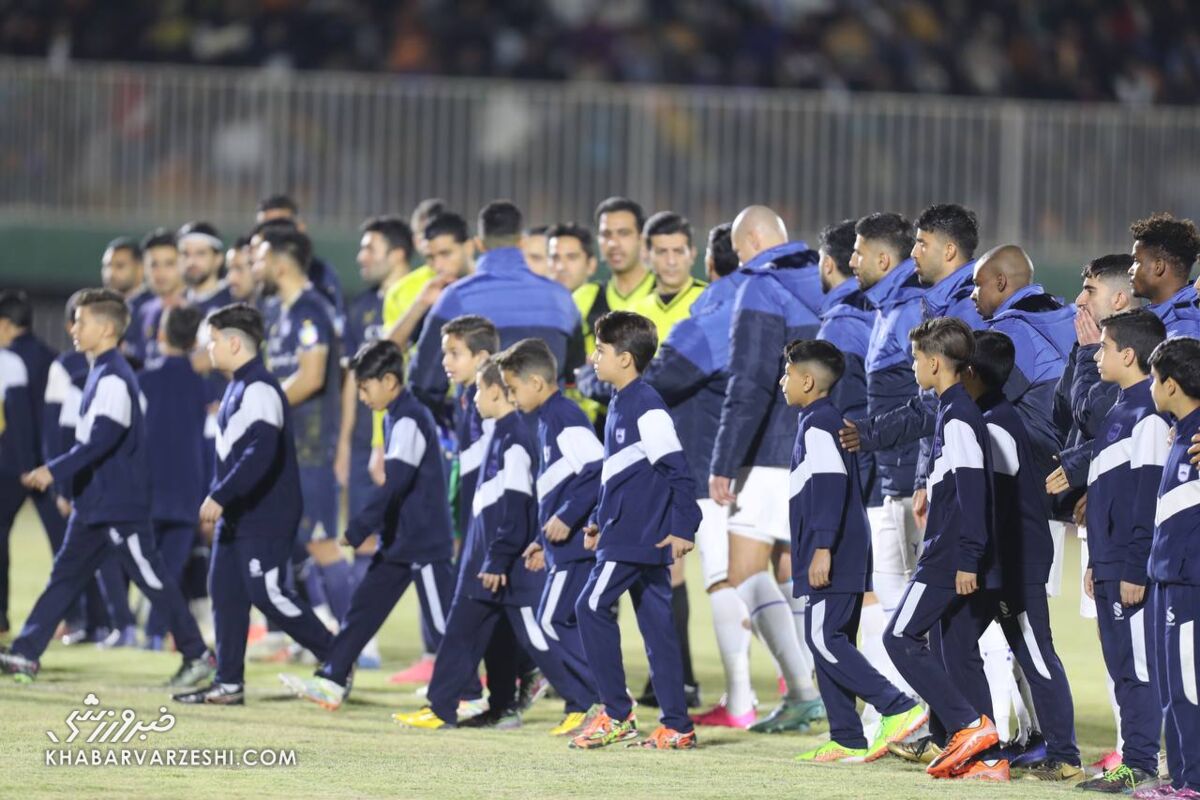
1087, 606
712, 540
760, 510
1059, 531
895, 537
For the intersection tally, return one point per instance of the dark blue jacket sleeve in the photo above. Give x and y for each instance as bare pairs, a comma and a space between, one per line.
514, 510
1150, 447
971, 490
579, 495
262, 443
398, 481
19, 446
904, 424
426, 377
1091, 398
674, 376
1075, 462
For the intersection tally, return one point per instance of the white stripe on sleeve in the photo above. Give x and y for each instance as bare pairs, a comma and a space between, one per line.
1151, 442
406, 443
260, 403
657, 432
1005, 458
579, 446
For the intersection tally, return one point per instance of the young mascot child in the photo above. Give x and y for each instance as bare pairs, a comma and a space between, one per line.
646, 516
831, 562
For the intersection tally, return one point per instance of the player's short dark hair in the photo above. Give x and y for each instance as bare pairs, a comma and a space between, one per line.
957, 223
529, 357
241, 241
618, 203
627, 332
16, 308
1175, 240
105, 303
447, 223
890, 228
1178, 359
837, 240
817, 351
241, 317
946, 337
427, 209
394, 230
478, 333
291, 242
205, 229
993, 359
180, 325
126, 243
489, 373
536, 230
159, 237
665, 223
1139, 329
1110, 268
499, 224
261, 228
71, 304
581, 233
278, 202
720, 246
376, 359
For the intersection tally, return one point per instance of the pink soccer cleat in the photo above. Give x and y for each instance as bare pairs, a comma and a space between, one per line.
420, 672
719, 717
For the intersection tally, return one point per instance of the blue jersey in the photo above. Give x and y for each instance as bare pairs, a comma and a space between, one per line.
410, 509
471, 438
133, 343
646, 491
691, 370
176, 411
1179, 313
1023, 538
257, 480
503, 518
325, 280
364, 324
108, 468
959, 532
1175, 551
1081, 401
826, 509
307, 323
570, 458
149, 318
64, 393
519, 303
23, 387
779, 301
1123, 481
951, 297
214, 381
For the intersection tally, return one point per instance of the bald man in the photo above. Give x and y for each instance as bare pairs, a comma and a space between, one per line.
779, 301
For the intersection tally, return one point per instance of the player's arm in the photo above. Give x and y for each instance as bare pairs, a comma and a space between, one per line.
18, 424
426, 377
112, 412
828, 488
1150, 447
907, 423
341, 460
583, 451
405, 450
309, 377
665, 455
263, 410
964, 459
514, 533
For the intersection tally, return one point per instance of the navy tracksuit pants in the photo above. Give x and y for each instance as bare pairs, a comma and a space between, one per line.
649, 587
175, 541
1123, 641
560, 624
85, 548
1175, 643
843, 673
252, 571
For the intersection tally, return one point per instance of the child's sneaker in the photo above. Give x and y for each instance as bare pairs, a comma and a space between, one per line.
665, 738
603, 730
1106, 762
963, 746
424, 719
23, 669
499, 720
471, 708
919, 751
831, 752
194, 671
419, 672
984, 769
896, 728
1122, 779
215, 694
322, 691
719, 717
790, 716
573, 722
533, 688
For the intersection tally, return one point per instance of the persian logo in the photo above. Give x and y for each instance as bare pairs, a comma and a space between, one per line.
112, 726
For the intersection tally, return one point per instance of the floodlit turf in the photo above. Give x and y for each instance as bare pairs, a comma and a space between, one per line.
359, 752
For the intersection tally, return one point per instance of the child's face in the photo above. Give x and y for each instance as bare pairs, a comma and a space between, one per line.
525, 392
606, 362
378, 393
458, 360
491, 400
88, 331
1160, 392
219, 349
923, 369
794, 379
1109, 362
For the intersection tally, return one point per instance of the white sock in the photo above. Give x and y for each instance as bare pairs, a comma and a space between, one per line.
889, 588
1027, 721
325, 614
997, 666
870, 628
1116, 709
772, 617
371, 649
731, 621
808, 689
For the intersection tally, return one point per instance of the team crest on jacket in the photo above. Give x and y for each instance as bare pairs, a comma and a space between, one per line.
1114, 432
620, 434
1184, 471
308, 334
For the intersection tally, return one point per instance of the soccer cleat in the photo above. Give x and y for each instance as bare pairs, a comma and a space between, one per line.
719, 717
420, 671
194, 671
1108, 761
424, 719
984, 769
533, 688
603, 730
1055, 771
665, 738
918, 751
471, 708
963, 746
1166, 790
507, 720
121, 637
896, 728
23, 670
1121, 779
215, 694
317, 689
833, 753
573, 722
790, 716
1028, 755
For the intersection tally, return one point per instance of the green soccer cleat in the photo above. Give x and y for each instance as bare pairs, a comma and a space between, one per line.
321, 691
896, 728
833, 753
790, 716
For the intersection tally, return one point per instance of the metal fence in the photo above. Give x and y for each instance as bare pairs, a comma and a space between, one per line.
101, 143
